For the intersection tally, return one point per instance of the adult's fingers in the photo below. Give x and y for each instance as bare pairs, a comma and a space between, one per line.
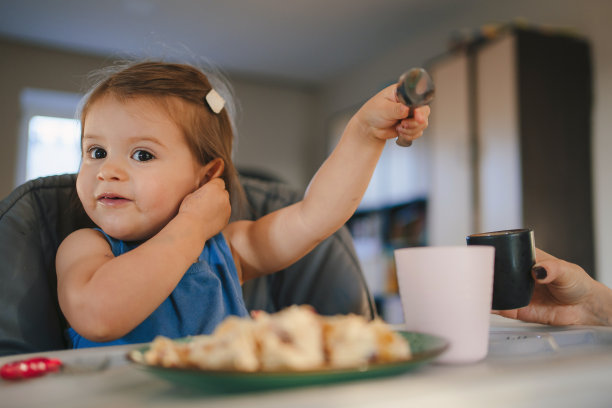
549, 269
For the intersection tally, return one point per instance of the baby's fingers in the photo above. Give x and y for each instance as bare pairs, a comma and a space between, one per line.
419, 120
421, 115
410, 129
406, 135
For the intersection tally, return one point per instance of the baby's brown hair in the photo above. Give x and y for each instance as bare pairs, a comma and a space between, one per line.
181, 90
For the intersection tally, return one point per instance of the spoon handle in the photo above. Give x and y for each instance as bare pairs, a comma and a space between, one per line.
405, 143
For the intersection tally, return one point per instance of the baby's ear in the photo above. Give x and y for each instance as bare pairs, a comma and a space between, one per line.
211, 170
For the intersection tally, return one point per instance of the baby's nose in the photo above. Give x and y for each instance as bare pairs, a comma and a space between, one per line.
112, 170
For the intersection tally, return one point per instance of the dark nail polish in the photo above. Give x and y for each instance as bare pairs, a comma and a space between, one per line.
540, 273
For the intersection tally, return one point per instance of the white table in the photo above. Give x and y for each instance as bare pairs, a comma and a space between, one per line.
528, 366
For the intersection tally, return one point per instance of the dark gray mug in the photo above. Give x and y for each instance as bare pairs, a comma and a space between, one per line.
514, 258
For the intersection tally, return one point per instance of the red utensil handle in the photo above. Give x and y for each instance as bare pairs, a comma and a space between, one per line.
33, 367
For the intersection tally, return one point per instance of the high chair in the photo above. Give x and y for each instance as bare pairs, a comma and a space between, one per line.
38, 215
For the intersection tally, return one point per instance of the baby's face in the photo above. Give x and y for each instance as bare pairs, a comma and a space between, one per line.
136, 168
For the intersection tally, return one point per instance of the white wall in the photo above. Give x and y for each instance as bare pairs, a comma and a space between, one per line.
590, 18
275, 130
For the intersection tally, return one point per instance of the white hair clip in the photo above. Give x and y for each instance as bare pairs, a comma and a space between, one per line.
215, 101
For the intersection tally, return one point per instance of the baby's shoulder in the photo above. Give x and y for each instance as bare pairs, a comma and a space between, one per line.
85, 233
86, 238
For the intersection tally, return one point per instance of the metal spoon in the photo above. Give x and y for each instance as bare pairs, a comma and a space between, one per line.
415, 88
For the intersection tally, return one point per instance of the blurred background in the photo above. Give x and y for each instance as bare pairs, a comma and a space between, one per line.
299, 70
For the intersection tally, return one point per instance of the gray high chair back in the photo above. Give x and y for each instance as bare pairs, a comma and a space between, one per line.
37, 216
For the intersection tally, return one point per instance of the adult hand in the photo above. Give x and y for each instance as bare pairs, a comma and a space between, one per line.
564, 294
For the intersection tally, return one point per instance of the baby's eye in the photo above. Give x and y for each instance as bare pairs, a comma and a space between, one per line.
142, 155
96, 153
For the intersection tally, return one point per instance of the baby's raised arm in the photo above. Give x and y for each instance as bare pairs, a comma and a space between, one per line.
280, 238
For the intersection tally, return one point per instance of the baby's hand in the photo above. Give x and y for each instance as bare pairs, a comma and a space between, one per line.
209, 205
383, 117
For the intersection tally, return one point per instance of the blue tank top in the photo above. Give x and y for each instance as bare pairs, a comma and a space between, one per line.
208, 293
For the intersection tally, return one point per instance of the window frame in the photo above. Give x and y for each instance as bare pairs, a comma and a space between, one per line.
40, 102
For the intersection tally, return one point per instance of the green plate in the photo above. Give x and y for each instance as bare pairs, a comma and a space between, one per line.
424, 347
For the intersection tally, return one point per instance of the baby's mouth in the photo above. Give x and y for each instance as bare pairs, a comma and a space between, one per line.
111, 199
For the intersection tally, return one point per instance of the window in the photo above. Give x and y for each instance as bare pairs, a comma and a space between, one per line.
49, 142
53, 146
400, 175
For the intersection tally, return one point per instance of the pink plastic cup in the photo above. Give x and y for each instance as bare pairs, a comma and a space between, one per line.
447, 291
